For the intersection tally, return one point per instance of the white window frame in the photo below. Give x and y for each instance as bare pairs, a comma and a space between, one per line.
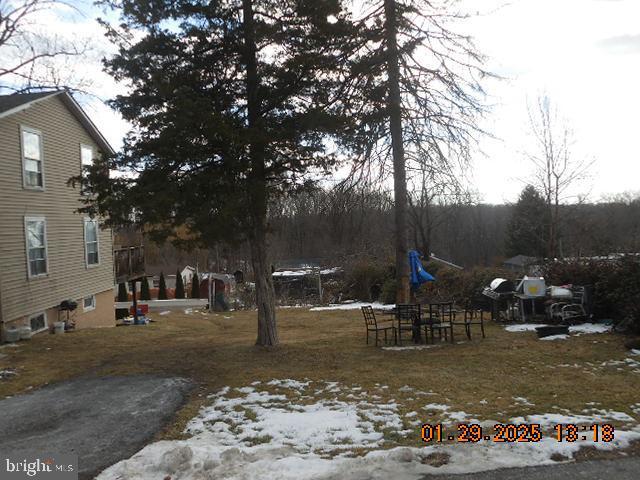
46, 322
86, 252
46, 247
23, 129
93, 158
93, 303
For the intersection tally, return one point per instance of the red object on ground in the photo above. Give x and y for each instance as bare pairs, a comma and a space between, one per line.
142, 308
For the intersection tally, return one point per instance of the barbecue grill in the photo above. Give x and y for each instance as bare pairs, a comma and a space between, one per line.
500, 291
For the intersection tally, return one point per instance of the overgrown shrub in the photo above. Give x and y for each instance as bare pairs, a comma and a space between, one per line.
364, 277
389, 288
461, 286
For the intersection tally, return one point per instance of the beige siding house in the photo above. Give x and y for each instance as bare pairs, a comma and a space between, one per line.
48, 252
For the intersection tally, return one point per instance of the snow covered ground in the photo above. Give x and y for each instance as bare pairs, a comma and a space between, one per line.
573, 330
410, 347
291, 429
353, 306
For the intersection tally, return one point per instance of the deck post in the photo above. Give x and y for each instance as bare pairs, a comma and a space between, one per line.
135, 302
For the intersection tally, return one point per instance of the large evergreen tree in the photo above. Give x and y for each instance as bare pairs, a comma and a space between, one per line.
231, 103
526, 232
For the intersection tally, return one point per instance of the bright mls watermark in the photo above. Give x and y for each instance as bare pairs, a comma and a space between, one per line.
48, 467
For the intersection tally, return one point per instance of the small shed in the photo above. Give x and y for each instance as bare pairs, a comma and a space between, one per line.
221, 287
301, 282
187, 274
519, 263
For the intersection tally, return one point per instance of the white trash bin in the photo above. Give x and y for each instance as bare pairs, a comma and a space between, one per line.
25, 333
58, 327
11, 335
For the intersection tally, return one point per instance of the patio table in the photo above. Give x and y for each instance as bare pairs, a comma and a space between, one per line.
416, 334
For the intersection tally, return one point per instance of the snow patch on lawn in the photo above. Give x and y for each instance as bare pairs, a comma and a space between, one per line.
251, 417
448, 416
410, 347
585, 328
258, 431
590, 328
524, 327
353, 306
8, 373
288, 383
436, 406
594, 415
620, 364
560, 336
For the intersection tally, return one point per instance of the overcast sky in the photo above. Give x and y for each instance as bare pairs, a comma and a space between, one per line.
585, 54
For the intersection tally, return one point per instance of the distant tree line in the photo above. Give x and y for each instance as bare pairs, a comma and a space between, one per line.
340, 225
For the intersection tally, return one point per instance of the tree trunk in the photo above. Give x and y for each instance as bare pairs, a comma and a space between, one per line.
399, 171
258, 198
265, 295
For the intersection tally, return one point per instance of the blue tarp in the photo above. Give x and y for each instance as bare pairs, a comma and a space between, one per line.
418, 274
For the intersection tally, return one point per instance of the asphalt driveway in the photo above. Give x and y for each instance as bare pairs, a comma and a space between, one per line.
102, 420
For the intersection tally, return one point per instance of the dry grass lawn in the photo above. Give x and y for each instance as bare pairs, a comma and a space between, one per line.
480, 377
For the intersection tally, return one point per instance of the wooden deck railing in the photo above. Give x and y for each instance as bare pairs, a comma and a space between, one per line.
128, 263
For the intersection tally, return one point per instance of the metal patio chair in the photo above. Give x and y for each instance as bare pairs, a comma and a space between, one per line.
441, 319
409, 318
373, 326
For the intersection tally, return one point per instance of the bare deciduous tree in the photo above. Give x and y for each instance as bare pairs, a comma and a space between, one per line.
556, 171
31, 59
434, 197
420, 86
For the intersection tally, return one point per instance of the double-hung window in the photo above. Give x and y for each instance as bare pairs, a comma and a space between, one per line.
32, 157
91, 249
36, 236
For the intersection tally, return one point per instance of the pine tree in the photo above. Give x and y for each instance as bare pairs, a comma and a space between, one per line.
145, 294
123, 296
526, 232
195, 286
232, 106
179, 285
162, 288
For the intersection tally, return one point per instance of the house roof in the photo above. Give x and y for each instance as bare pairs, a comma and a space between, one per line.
14, 101
17, 102
520, 260
297, 263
